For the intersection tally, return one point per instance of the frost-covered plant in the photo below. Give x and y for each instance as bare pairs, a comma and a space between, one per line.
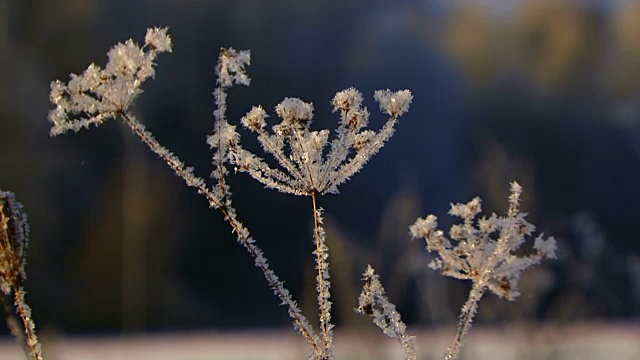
374, 302
309, 164
14, 237
483, 253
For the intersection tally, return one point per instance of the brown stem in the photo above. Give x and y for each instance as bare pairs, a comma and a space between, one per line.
29, 325
14, 325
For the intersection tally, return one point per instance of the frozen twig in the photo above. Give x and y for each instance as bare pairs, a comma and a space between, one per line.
374, 302
14, 236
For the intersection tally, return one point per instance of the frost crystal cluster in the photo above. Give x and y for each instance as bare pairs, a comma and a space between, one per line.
100, 94
308, 162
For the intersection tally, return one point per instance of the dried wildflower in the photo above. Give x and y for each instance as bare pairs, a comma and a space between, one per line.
101, 94
483, 253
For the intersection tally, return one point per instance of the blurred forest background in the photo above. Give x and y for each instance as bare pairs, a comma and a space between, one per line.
543, 92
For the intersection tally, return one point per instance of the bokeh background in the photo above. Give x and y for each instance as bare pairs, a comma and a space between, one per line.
543, 92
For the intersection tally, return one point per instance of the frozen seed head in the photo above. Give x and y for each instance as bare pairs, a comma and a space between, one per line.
486, 250
363, 139
394, 103
423, 227
283, 130
231, 67
99, 94
349, 103
295, 112
488, 225
158, 39
255, 119
347, 99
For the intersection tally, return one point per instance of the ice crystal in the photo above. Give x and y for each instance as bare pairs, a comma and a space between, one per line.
98, 95
158, 39
485, 251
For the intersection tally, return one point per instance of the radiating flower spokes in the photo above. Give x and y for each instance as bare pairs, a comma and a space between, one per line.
300, 152
478, 241
99, 94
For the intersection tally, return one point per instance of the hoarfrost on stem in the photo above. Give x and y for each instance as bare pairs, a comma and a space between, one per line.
98, 95
374, 302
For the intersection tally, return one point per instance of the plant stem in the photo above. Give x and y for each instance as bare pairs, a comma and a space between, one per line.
29, 325
469, 311
322, 280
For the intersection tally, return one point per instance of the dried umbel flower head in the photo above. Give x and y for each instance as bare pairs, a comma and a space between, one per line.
485, 251
255, 119
98, 94
302, 164
346, 100
305, 167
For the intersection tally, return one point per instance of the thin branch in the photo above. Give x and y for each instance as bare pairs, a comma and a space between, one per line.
29, 326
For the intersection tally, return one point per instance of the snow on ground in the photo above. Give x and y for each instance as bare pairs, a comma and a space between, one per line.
572, 342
